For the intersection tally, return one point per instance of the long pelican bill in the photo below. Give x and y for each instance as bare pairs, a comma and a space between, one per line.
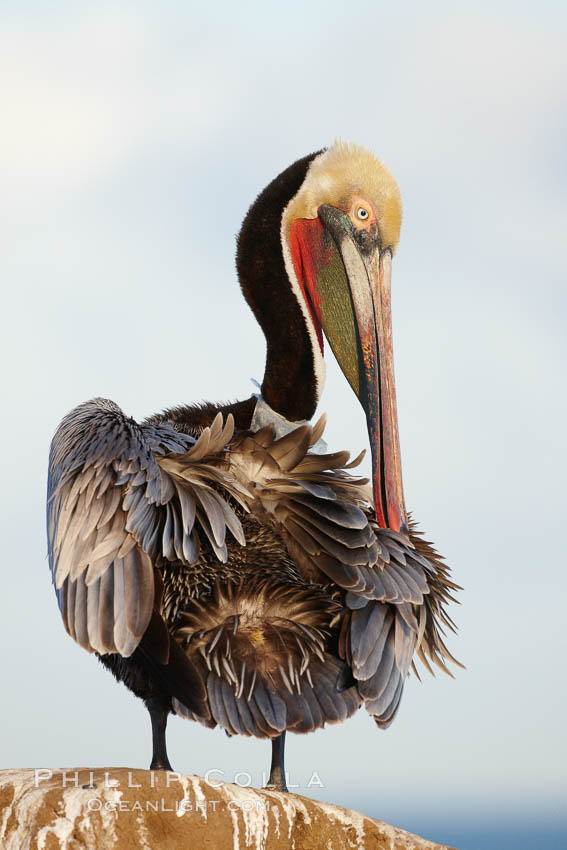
345, 278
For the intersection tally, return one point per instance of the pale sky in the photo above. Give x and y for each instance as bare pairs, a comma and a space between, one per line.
134, 137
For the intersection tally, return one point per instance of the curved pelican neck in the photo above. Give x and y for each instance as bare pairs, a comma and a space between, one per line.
290, 384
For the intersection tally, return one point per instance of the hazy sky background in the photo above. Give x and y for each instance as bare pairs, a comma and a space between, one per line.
134, 137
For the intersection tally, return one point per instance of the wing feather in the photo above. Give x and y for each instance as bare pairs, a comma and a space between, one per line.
105, 629
394, 586
121, 495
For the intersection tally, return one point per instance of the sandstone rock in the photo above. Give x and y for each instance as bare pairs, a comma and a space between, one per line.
83, 809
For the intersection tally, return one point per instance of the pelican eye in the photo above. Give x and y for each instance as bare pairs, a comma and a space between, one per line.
361, 213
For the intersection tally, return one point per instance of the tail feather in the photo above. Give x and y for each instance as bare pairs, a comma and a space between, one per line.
265, 646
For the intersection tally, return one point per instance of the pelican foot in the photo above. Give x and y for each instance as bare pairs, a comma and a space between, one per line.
276, 786
160, 764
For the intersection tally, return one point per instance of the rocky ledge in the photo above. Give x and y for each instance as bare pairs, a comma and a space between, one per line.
84, 809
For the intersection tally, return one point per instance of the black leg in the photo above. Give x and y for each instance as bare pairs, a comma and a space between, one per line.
159, 709
277, 771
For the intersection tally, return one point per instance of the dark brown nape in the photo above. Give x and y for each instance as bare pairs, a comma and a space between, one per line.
289, 385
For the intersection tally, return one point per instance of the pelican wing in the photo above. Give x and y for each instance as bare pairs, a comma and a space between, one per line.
394, 587
120, 496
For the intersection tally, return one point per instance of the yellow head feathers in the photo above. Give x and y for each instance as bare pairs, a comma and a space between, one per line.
344, 171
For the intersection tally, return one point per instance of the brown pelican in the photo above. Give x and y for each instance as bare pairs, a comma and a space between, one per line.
218, 562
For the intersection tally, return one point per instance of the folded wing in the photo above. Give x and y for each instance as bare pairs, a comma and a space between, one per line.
394, 587
120, 496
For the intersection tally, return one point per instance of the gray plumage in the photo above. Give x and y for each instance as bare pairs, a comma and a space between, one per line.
125, 500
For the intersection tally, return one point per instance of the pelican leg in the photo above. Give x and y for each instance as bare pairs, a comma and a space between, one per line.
277, 782
159, 708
